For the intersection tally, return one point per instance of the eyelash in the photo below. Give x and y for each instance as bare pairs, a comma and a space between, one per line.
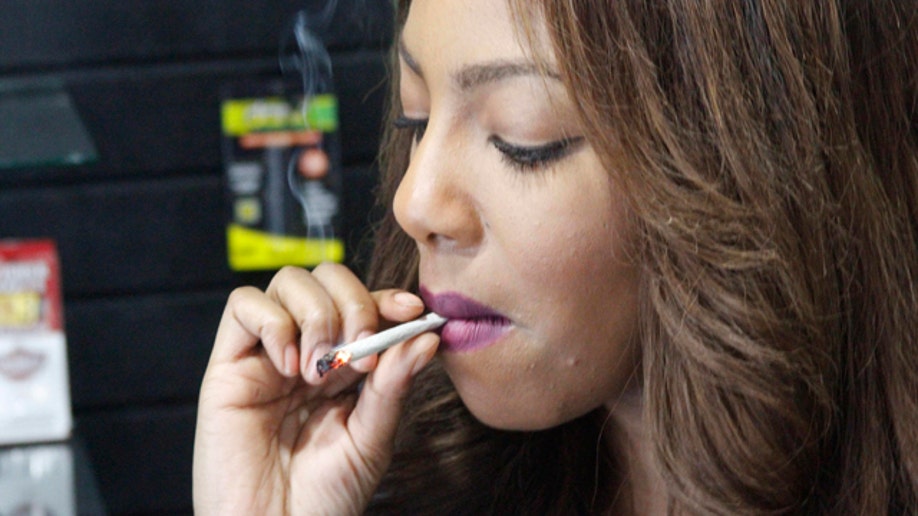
526, 158
417, 126
519, 157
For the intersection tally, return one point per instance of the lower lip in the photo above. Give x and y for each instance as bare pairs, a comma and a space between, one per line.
461, 335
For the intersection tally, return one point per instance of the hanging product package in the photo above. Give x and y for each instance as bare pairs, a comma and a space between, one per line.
283, 174
34, 381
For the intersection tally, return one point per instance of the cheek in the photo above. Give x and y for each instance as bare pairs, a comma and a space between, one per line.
573, 250
580, 311
593, 285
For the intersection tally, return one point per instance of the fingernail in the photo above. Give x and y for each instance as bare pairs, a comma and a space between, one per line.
310, 373
408, 300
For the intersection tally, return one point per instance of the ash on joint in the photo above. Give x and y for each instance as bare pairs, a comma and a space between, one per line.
323, 365
332, 360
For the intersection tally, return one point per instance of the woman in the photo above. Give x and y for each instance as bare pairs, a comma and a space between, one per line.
678, 246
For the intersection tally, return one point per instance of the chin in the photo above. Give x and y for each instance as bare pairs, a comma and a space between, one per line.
503, 412
511, 423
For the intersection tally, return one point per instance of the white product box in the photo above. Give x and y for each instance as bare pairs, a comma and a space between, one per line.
34, 380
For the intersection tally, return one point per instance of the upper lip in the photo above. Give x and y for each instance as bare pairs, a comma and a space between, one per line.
453, 305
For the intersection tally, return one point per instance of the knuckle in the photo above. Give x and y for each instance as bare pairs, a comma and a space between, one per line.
328, 268
318, 321
241, 295
288, 280
270, 329
357, 308
286, 273
290, 269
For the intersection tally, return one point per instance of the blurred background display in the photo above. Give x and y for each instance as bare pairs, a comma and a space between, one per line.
111, 147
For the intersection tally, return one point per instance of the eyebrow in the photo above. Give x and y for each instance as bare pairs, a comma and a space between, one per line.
472, 76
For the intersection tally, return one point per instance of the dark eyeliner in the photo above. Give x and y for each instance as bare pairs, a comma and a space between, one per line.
416, 125
532, 157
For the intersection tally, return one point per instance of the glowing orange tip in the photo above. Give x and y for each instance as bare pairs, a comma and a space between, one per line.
332, 360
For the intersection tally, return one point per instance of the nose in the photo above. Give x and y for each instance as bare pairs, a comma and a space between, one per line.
435, 201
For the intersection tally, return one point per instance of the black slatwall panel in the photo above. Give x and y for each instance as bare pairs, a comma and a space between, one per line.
64, 34
142, 457
145, 235
141, 231
157, 120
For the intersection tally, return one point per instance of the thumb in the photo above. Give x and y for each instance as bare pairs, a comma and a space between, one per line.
375, 419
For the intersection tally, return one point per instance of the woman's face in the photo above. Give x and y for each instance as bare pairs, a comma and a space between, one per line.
522, 237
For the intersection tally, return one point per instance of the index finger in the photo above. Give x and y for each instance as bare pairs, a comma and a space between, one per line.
250, 320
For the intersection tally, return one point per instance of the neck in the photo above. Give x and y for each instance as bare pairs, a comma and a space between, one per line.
642, 485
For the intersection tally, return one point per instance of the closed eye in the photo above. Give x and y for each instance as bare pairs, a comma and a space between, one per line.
525, 158
417, 126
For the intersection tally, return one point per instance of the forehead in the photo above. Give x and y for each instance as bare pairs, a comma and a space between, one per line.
472, 30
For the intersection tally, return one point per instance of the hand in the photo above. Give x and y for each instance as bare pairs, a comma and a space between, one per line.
272, 436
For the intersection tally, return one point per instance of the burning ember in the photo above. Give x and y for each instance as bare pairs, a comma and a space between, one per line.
333, 360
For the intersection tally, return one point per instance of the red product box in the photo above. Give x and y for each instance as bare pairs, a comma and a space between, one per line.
34, 381
30, 286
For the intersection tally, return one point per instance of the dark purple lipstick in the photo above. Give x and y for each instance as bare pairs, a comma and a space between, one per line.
471, 325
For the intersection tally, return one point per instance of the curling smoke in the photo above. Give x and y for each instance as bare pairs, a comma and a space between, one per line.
309, 59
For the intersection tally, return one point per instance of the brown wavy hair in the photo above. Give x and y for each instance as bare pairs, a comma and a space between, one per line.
769, 153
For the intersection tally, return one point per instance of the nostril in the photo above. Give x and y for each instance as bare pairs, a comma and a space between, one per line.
438, 240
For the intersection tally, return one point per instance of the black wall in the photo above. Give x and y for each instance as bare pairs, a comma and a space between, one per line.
141, 231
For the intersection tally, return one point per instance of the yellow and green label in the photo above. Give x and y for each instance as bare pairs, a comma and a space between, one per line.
251, 249
251, 115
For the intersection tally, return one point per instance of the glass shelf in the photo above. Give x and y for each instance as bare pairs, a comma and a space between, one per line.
39, 126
